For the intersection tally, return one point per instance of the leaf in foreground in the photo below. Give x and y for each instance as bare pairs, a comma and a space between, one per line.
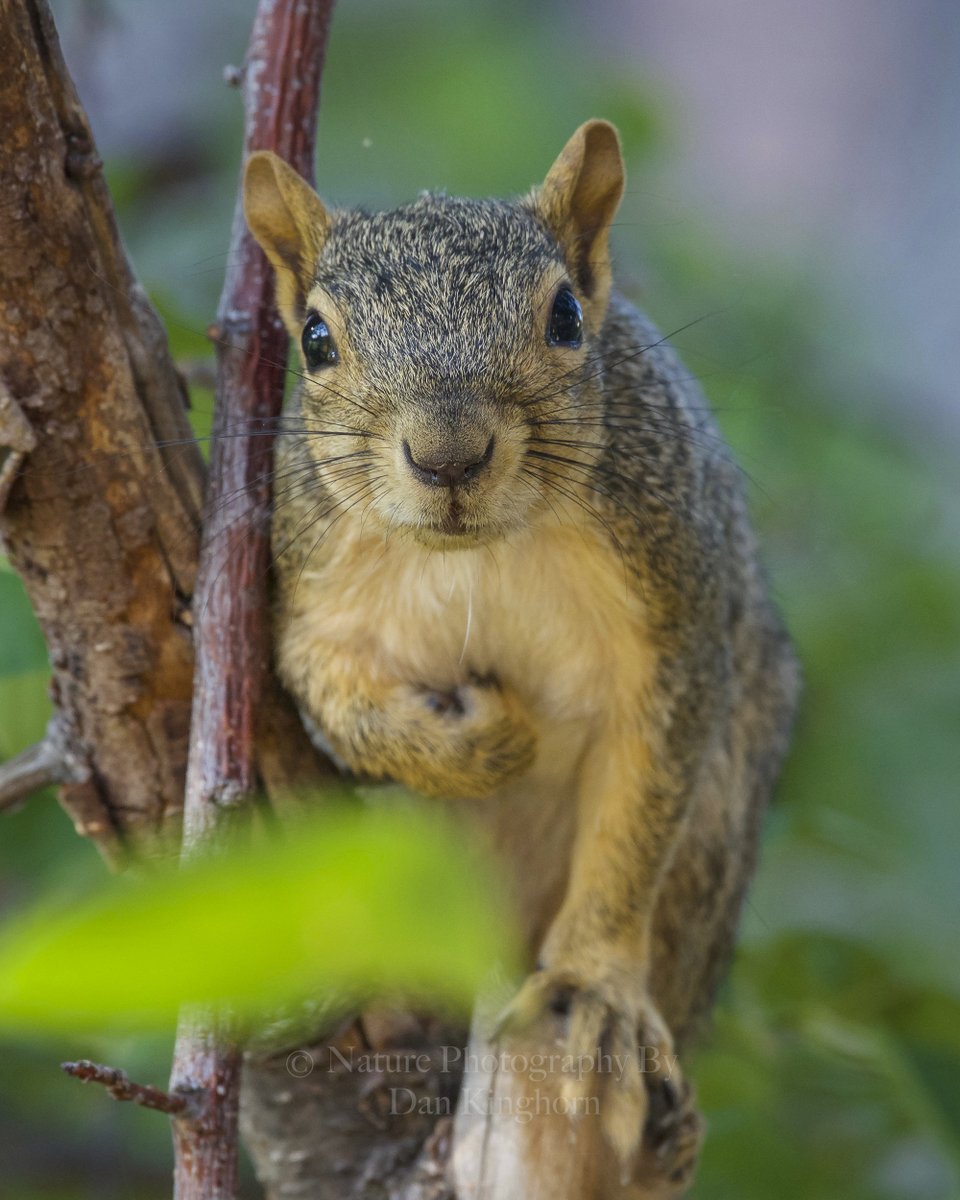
356, 905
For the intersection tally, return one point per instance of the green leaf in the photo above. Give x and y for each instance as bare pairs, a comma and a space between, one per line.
354, 905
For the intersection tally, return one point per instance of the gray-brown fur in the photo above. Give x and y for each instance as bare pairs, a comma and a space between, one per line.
441, 308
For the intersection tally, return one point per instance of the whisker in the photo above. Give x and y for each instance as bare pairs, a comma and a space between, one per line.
549, 479
606, 365
368, 488
313, 518
590, 481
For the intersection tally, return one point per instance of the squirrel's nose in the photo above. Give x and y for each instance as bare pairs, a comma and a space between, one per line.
448, 474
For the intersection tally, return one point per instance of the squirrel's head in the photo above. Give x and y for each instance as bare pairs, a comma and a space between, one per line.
448, 348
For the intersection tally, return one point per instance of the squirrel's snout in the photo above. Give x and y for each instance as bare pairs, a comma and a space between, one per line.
449, 473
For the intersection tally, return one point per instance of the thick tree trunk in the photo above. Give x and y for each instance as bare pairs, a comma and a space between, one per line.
102, 519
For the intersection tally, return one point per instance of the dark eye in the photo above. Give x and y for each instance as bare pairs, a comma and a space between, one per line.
317, 343
566, 320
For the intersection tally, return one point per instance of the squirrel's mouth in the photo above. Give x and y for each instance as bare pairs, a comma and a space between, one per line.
453, 528
453, 524
450, 505
438, 537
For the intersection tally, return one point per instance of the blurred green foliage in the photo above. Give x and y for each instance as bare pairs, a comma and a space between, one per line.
834, 1066
349, 907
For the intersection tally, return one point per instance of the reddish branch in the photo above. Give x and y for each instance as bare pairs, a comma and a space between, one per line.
281, 92
120, 1086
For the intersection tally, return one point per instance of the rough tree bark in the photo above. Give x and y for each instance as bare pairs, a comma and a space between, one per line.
102, 518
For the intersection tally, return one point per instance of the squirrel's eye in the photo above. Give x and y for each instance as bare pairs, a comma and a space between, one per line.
566, 320
317, 343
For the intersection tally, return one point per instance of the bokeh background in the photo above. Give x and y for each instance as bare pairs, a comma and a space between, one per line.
794, 213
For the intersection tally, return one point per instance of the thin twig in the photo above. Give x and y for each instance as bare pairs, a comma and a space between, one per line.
43, 765
120, 1086
33, 769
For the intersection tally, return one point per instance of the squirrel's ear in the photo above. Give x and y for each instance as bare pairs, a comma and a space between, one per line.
579, 199
289, 221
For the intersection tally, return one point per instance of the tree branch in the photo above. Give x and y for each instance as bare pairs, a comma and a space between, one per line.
47, 763
281, 91
120, 1087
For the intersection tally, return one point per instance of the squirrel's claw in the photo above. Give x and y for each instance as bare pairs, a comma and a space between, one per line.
620, 1052
673, 1135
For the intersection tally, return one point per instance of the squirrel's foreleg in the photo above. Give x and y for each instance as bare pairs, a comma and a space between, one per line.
593, 976
449, 741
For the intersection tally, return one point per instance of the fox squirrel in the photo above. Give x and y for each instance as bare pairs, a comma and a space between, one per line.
515, 567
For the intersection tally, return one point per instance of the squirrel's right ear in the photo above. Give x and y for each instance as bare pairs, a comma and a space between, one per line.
579, 199
289, 221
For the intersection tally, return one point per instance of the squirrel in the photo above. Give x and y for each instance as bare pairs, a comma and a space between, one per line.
515, 568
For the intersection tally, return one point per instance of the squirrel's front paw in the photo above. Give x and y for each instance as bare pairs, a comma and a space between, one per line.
615, 1050
462, 741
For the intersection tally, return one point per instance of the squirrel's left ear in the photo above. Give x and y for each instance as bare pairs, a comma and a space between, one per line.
288, 219
579, 199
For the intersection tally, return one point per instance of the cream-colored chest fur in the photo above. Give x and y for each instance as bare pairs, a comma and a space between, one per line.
549, 612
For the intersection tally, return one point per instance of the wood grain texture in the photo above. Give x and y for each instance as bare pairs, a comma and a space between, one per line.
101, 519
